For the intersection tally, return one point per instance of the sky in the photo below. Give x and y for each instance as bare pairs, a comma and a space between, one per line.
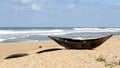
59, 13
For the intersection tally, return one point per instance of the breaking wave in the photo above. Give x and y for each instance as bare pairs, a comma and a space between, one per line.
1, 40
58, 31
97, 29
13, 35
29, 31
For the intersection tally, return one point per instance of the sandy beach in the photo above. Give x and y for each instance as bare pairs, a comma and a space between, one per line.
105, 56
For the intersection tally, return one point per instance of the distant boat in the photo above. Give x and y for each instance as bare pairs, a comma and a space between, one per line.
69, 43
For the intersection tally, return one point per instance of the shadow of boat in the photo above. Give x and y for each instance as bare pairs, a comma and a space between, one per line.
69, 43
49, 50
16, 55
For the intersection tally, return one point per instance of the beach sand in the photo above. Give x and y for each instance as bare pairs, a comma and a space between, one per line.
105, 56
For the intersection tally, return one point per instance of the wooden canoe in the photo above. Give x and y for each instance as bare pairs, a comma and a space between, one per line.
69, 43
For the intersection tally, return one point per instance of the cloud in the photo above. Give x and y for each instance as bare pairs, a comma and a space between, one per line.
63, 11
59, 5
28, 5
116, 5
40, 5
70, 6
23, 1
113, 6
35, 7
16, 8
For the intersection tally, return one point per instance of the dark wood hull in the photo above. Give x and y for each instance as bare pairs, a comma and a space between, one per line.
80, 44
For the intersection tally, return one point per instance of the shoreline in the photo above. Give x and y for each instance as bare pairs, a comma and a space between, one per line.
26, 42
47, 40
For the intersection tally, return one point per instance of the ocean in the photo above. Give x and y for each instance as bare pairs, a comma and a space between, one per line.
28, 34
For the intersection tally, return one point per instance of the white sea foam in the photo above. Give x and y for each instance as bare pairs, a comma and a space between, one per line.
24, 36
97, 29
30, 31
41, 34
78, 38
26, 33
12, 38
1, 40
61, 33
